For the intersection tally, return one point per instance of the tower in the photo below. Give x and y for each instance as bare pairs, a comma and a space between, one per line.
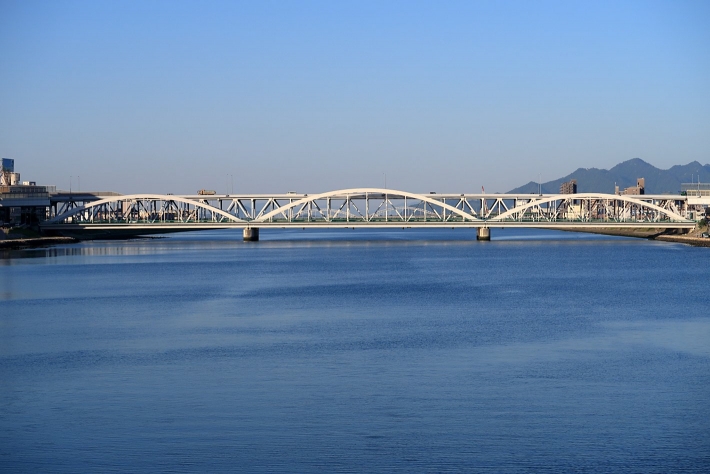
7, 171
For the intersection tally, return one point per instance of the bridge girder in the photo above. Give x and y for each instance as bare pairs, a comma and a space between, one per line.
370, 207
606, 205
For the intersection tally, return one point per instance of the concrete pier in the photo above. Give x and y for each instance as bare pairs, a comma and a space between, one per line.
251, 234
484, 233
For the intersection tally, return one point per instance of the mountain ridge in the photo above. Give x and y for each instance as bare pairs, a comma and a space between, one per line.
624, 175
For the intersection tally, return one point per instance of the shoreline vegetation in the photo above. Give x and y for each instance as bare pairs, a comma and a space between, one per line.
694, 237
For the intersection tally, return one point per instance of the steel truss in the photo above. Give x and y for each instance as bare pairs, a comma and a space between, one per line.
142, 209
372, 207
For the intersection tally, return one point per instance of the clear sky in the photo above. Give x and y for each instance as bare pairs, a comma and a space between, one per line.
310, 96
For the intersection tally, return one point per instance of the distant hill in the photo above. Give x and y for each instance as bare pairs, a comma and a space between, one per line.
624, 175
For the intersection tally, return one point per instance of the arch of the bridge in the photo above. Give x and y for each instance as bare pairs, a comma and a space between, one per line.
144, 197
613, 197
363, 192
349, 193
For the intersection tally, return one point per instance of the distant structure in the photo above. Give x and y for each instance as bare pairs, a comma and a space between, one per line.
569, 187
695, 189
21, 202
640, 188
8, 177
26, 203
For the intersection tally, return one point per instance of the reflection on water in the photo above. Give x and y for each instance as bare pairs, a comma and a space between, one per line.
681, 336
322, 238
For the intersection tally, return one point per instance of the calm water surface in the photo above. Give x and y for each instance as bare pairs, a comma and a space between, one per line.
351, 351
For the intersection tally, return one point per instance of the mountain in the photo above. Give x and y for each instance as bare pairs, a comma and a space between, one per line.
624, 174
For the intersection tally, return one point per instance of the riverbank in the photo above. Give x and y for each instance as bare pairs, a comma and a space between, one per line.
685, 239
35, 242
694, 239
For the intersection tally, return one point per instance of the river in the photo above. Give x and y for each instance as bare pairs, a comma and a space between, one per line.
356, 351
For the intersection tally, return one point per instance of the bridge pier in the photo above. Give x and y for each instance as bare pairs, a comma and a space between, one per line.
483, 233
251, 234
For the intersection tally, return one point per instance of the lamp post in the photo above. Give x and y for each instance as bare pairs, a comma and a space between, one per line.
386, 199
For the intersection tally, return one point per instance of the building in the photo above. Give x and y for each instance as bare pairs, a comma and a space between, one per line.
24, 203
29, 204
695, 189
569, 187
8, 177
639, 189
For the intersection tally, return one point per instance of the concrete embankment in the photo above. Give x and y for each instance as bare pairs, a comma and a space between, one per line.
685, 239
693, 238
35, 242
643, 233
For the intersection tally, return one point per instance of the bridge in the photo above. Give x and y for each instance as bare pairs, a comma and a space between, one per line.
89, 216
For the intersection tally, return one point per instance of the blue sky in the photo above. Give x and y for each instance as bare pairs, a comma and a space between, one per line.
174, 96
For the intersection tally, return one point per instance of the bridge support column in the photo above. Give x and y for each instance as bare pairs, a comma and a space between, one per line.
484, 233
251, 234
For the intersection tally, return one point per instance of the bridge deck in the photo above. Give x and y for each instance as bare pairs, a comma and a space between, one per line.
368, 208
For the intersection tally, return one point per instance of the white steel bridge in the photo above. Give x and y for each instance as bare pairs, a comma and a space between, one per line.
145, 214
